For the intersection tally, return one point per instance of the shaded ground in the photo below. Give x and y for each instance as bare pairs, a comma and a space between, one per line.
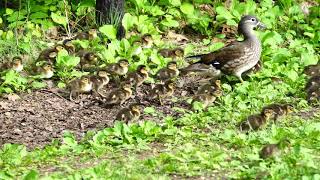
39, 116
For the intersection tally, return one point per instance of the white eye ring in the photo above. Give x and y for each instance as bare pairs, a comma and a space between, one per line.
252, 19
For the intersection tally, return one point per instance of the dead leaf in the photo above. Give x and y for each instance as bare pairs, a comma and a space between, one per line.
12, 97
178, 37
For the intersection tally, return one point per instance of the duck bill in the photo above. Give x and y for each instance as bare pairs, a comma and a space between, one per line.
261, 26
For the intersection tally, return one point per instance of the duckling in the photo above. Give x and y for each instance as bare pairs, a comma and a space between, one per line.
87, 59
313, 96
118, 69
275, 111
147, 41
312, 70
255, 121
15, 64
272, 150
45, 71
213, 85
205, 99
50, 54
313, 83
138, 77
269, 150
91, 34
132, 113
81, 85
171, 53
161, 91
69, 46
168, 73
99, 81
120, 95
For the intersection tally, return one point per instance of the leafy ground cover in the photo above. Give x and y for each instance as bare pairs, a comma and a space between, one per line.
170, 142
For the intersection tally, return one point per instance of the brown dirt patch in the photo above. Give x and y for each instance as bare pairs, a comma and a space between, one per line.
39, 117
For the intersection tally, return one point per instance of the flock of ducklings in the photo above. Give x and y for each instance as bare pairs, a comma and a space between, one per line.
128, 82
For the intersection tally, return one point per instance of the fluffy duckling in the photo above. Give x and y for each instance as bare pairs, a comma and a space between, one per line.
138, 77
118, 69
15, 64
99, 81
168, 73
49, 55
313, 96
147, 41
131, 113
161, 91
212, 86
91, 34
205, 99
172, 53
269, 150
313, 84
45, 71
312, 70
275, 111
81, 85
120, 95
87, 59
272, 150
256, 121
69, 46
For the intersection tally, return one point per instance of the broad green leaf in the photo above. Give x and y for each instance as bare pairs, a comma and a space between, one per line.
187, 8
149, 110
9, 11
309, 59
223, 13
129, 21
109, 31
175, 2
62, 20
293, 75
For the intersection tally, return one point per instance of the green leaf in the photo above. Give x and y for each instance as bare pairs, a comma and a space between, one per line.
32, 175
38, 85
129, 21
109, 30
175, 2
309, 59
223, 13
149, 110
293, 75
187, 8
59, 19
9, 11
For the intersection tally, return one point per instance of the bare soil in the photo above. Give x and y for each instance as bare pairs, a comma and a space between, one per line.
41, 116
